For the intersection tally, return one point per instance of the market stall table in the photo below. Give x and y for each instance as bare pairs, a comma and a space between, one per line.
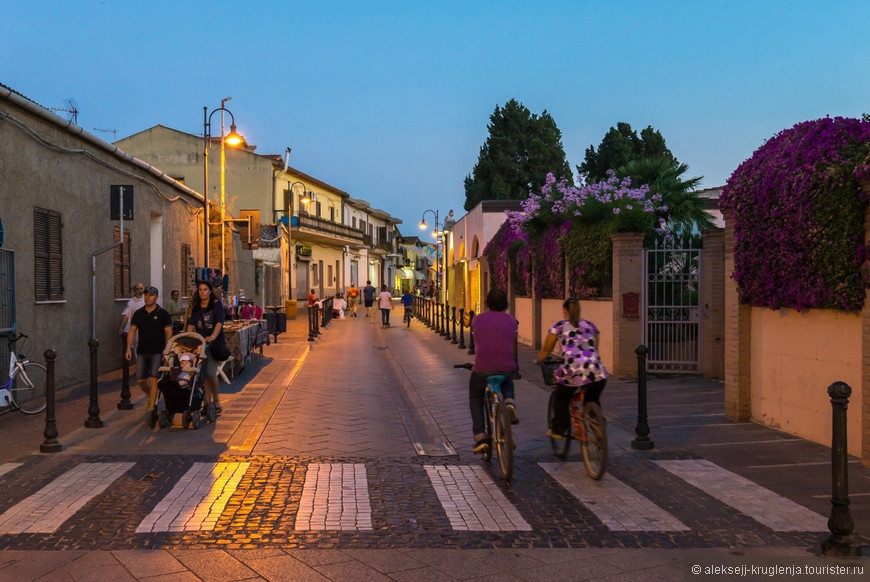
243, 339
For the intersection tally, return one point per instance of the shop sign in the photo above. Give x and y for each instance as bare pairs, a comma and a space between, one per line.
303, 250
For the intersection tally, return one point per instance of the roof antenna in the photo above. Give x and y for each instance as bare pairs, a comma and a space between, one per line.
114, 133
71, 108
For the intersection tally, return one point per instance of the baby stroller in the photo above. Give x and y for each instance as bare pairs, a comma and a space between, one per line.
180, 383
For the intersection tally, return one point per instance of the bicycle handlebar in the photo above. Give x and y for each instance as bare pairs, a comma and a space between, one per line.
12, 340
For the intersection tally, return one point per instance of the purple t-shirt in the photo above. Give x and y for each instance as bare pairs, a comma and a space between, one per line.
494, 336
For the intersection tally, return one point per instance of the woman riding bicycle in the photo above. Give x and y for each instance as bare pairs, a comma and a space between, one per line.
495, 341
582, 367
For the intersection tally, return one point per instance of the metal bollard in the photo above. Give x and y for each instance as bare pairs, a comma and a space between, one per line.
50, 444
840, 543
461, 328
446, 332
453, 340
642, 441
310, 324
94, 420
125, 403
470, 334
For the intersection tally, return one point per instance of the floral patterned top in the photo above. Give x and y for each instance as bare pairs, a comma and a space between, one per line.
582, 363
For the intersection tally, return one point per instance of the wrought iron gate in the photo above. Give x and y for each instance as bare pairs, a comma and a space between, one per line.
671, 297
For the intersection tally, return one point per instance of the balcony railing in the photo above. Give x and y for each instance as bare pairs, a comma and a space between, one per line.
326, 226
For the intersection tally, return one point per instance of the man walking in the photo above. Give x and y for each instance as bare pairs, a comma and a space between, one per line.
369, 297
176, 311
154, 327
136, 302
352, 295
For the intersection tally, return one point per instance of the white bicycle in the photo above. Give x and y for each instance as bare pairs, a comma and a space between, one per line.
25, 387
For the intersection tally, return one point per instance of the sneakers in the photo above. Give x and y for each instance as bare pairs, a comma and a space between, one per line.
481, 447
553, 435
512, 413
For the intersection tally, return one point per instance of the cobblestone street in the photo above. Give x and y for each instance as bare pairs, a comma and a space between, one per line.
313, 470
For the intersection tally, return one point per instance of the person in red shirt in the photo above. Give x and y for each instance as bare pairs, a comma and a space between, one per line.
311, 299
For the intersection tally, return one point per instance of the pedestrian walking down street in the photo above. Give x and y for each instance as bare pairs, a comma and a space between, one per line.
385, 302
582, 369
369, 297
136, 302
153, 327
352, 295
176, 311
207, 319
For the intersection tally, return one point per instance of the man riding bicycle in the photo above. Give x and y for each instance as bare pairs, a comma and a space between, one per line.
495, 341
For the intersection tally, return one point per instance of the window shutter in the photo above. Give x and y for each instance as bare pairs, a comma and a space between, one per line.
40, 254
55, 256
122, 264
185, 269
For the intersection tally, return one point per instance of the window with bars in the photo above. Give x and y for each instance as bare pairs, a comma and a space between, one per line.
48, 254
122, 264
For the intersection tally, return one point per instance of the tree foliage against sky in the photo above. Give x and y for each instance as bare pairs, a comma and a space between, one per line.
521, 149
620, 146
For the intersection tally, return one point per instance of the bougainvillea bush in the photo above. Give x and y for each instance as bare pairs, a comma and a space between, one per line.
501, 253
798, 212
570, 227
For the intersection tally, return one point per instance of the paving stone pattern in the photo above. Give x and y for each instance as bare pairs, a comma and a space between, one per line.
266, 502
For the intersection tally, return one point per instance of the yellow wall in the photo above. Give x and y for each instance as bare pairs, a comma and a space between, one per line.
524, 316
795, 357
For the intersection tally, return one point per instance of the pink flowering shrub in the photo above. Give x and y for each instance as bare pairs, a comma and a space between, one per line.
798, 212
569, 227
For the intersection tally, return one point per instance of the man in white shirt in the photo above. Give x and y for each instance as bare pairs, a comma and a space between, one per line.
134, 304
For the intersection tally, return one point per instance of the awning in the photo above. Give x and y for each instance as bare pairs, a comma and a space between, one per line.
404, 274
419, 275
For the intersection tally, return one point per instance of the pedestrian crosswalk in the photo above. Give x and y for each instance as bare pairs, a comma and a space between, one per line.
337, 496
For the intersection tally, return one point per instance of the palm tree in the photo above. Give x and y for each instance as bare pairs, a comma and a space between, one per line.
685, 209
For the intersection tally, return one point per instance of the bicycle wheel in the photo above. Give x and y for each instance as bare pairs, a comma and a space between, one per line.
488, 422
28, 388
560, 446
594, 446
504, 441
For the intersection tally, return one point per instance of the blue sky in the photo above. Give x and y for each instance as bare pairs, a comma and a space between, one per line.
389, 101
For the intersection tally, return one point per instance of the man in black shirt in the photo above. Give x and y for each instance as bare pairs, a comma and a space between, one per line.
154, 326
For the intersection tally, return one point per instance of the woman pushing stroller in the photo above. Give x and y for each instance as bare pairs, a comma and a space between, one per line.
207, 319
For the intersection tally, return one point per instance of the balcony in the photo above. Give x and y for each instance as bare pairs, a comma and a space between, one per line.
325, 231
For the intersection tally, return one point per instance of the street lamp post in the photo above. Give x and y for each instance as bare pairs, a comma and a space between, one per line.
438, 233
232, 138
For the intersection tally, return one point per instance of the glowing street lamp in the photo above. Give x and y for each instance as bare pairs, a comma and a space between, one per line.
436, 233
233, 139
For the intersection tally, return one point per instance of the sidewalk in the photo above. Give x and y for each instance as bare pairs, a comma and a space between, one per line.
405, 378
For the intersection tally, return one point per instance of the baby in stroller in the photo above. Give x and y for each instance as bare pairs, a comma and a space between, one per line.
180, 384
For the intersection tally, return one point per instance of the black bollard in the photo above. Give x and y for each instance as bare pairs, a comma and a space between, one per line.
125, 403
446, 332
461, 328
50, 445
311, 323
840, 543
453, 339
93, 420
470, 334
642, 441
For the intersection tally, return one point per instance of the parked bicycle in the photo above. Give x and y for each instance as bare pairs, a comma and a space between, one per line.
588, 426
497, 424
25, 386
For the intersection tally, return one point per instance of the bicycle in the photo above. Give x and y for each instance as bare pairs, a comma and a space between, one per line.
588, 426
25, 388
497, 424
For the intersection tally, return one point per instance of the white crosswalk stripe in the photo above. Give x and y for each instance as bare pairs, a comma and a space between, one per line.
472, 501
197, 500
759, 503
617, 505
48, 508
335, 497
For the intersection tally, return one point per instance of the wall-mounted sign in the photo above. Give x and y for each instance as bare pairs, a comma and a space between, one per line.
303, 250
115, 202
630, 305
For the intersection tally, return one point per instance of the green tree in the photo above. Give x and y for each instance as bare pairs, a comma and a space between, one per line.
520, 150
685, 209
621, 145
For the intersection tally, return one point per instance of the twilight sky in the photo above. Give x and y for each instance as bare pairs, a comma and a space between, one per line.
389, 100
